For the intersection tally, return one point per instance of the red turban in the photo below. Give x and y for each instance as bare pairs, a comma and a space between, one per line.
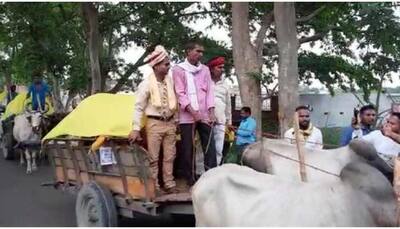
216, 61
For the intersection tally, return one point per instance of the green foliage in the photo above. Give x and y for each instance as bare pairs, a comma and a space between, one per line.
334, 71
44, 39
48, 38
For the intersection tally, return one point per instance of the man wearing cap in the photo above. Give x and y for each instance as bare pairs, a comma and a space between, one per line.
156, 99
195, 91
222, 100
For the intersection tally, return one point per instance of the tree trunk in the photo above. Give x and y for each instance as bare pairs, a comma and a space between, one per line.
91, 22
56, 95
8, 80
286, 34
69, 100
246, 61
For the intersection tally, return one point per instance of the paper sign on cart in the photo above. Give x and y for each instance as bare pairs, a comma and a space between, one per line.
107, 156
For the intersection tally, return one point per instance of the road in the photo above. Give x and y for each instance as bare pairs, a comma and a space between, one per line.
24, 202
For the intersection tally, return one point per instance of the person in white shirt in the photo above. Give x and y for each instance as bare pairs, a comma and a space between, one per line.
222, 100
386, 146
309, 134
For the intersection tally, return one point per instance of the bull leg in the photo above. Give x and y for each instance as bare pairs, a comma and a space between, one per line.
21, 158
34, 166
28, 162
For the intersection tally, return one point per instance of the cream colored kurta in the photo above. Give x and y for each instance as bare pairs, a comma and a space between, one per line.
143, 105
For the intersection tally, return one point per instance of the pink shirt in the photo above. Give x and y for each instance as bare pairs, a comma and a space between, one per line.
204, 90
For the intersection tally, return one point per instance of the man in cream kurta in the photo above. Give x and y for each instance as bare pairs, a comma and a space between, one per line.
156, 99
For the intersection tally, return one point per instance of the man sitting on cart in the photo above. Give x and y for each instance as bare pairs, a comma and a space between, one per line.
156, 99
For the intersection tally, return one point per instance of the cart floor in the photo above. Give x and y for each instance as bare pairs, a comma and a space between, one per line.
175, 197
183, 195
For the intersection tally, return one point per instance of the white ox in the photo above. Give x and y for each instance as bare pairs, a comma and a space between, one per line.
238, 196
27, 132
232, 195
322, 165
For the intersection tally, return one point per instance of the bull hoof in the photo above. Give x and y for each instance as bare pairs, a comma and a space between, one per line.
28, 172
34, 168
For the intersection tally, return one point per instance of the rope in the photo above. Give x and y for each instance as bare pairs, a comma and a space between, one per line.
267, 134
307, 165
194, 149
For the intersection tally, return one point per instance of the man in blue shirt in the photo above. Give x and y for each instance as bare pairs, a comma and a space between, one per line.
246, 133
38, 90
367, 120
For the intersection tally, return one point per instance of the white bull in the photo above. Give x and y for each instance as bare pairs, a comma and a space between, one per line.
321, 165
232, 195
27, 132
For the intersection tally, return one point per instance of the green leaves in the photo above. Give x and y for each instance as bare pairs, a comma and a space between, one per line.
334, 71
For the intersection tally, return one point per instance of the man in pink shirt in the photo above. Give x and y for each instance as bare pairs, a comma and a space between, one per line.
195, 92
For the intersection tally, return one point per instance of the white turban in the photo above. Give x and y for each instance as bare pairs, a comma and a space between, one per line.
158, 55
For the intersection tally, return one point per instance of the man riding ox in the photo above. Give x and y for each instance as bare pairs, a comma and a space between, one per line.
27, 131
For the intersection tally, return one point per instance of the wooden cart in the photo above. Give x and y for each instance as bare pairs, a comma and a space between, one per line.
107, 192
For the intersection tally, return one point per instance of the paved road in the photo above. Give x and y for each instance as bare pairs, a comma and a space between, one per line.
23, 202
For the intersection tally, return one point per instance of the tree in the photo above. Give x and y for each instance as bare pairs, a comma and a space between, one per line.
247, 57
76, 46
335, 27
286, 34
46, 39
91, 22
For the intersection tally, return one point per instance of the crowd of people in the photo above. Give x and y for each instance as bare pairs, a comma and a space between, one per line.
196, 99
385, 140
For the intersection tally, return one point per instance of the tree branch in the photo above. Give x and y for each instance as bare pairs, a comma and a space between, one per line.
270, 49
267, 20
310, 16
132, 67
198, 12
315, 37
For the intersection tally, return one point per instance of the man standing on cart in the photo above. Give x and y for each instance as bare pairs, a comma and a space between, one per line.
156, 99
195, 91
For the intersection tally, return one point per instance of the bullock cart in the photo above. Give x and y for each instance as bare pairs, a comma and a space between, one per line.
120, 187
16, 107
107, 192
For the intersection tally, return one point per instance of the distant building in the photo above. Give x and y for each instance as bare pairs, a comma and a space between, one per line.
337, 111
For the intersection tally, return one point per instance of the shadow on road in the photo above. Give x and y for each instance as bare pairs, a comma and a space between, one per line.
24, 202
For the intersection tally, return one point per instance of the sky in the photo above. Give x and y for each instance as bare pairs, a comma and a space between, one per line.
133, 53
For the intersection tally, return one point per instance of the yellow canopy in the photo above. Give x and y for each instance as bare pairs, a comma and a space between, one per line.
99, 114
17, 105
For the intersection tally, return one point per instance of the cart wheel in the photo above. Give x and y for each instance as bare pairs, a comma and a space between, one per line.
6, 146
95, 207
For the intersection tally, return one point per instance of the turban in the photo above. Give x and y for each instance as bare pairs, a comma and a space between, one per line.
216, 61
158, 55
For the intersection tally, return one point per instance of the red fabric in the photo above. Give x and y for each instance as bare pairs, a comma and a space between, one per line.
216, 61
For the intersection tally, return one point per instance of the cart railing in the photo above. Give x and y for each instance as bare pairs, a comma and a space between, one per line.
75, 165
